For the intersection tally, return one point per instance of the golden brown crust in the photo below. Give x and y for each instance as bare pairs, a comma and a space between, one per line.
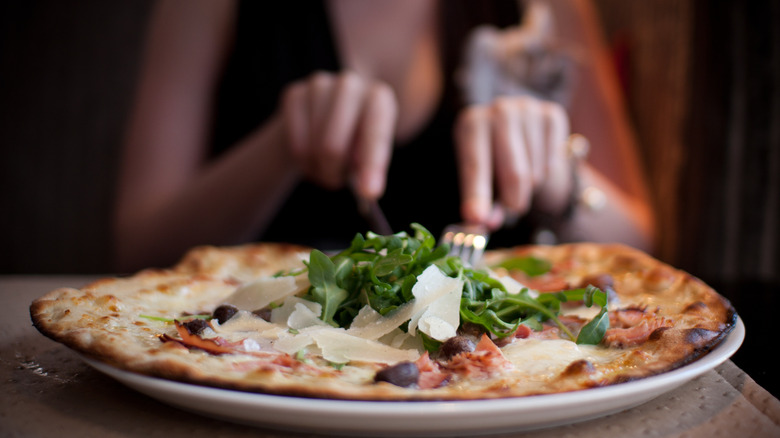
111, 320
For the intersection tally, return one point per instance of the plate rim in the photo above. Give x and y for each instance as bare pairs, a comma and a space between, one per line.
422, 417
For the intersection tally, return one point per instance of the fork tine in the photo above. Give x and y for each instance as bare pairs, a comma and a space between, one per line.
466, 241
477, 243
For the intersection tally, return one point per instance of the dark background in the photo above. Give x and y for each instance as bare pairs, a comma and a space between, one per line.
702, 80
67, 71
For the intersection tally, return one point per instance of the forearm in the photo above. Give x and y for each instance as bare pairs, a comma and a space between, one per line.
227, 202
616, 217
598, 112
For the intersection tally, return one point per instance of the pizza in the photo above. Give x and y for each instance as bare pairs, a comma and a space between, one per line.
395, 318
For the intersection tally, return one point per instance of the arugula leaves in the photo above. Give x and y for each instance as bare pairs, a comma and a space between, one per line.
325, 290
593, 332
532, 266
375, 270
502, 313
381, 270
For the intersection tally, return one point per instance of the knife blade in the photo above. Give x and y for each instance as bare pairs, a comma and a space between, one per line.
373, 214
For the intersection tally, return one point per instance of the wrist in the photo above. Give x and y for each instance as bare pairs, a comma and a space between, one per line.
561, 191
549, 219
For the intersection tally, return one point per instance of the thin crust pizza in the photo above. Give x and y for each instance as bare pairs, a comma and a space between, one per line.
395, 318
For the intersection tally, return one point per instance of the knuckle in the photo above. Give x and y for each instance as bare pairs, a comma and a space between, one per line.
469, 120
556, 113
503, 104
351, 81
382, 94
321, 75
529, 105
293, 94
472, 115
525, 100
381, 103
503, 109
320, 80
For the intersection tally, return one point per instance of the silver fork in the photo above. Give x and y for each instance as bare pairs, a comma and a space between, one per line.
466, 241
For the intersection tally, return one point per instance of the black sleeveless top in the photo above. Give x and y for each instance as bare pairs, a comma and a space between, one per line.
275, 46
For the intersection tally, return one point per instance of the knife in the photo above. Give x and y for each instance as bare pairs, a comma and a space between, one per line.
373, 214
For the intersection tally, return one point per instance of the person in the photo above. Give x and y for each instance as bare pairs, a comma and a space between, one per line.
259, 122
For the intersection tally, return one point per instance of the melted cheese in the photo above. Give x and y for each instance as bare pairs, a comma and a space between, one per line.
547, 358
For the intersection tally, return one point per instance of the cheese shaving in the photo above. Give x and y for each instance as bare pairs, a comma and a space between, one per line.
263, 291
281, 315
340, 347
441, 296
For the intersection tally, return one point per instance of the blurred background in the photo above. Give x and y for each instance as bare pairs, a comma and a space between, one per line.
702, 79
67, 72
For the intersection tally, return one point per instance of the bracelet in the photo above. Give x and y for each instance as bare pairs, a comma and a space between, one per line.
577, 149
592, 198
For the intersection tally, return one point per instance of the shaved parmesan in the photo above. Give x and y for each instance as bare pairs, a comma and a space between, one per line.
370, 324
400, 339
265, 290
291, 344
246, 322
366, 317
303, 316
281, 315
442, 296
340, 347
436, 328
437, 297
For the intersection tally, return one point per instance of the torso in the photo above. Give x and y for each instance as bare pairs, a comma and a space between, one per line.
396, 42
272, 50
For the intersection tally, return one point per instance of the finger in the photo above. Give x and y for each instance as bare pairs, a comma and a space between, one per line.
295, 109
497, 218
555, 192
338, 131
474, 157
533, 126
557, 130
374, 145
513, 173
319, 94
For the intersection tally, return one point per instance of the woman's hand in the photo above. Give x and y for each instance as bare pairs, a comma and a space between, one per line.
340, 128
517, 146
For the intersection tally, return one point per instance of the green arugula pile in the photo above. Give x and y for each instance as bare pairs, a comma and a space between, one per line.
381, 270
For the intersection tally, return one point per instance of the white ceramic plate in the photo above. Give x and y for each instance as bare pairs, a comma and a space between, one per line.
441, 418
